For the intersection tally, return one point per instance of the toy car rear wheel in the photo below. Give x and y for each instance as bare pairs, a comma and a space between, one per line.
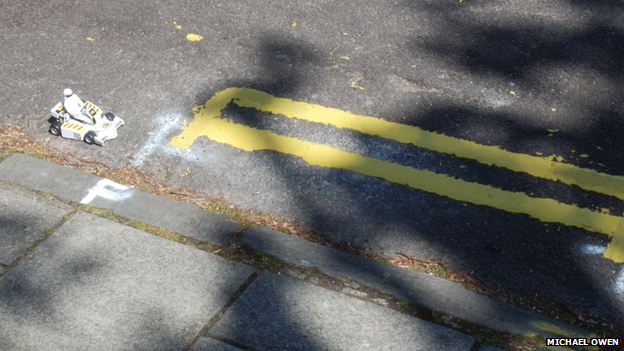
54, 130
89, 138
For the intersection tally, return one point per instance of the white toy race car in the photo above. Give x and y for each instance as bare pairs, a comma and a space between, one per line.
103, 128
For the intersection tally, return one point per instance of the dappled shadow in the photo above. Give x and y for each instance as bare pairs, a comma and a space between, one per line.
284, 65
544, 64
513, 251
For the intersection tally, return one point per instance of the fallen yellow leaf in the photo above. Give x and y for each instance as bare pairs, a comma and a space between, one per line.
89, 39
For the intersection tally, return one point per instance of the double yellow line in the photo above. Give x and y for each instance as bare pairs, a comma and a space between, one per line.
207, 123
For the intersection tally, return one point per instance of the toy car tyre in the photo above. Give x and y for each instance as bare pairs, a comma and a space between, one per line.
89, 138
55, 130
110, 116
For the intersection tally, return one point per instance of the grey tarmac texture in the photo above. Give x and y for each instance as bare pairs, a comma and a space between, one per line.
23, 221
280, 313
71, 184
210, 344
494, 72
425, 290
99, 285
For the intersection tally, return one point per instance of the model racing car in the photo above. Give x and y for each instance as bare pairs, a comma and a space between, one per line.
95, 127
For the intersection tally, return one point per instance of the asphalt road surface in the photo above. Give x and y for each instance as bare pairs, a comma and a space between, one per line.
538, 78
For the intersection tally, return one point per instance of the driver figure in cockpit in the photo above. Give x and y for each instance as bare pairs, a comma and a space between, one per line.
76, 107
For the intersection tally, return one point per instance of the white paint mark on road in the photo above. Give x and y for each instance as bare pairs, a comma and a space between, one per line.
159, 139
618, 286
618, 283
115, 191
593, 249
158, 143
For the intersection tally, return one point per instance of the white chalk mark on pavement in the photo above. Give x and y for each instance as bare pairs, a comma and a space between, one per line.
116, 191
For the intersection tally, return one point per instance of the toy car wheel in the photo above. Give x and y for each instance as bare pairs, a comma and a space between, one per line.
89, 139
110, 116
54, 130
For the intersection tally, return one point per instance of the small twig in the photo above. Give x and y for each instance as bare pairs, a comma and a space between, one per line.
412, 258
87, 161
484, 282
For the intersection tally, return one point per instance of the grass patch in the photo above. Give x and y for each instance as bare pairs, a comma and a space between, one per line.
264, 261
142, 226
485, 336
403, 303
9, 153
435, 317
440, 271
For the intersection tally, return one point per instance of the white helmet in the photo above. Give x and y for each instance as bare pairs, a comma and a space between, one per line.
68, 92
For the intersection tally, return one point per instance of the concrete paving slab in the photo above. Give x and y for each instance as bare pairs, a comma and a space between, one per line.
77, 186
423, 289
181, 217
281, 313
99, 285
23, 221
41, 175
210, 344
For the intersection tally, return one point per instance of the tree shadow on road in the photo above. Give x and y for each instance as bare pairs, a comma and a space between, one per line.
563, 72
517, 253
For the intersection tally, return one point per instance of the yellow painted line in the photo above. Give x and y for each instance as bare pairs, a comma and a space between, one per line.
207, 123
543, 167
546, 210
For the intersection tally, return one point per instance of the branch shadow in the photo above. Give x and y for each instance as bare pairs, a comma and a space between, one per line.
545, 60
512, 251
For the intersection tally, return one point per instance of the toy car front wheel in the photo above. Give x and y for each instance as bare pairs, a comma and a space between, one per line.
110, 116
54, 130
89, 138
